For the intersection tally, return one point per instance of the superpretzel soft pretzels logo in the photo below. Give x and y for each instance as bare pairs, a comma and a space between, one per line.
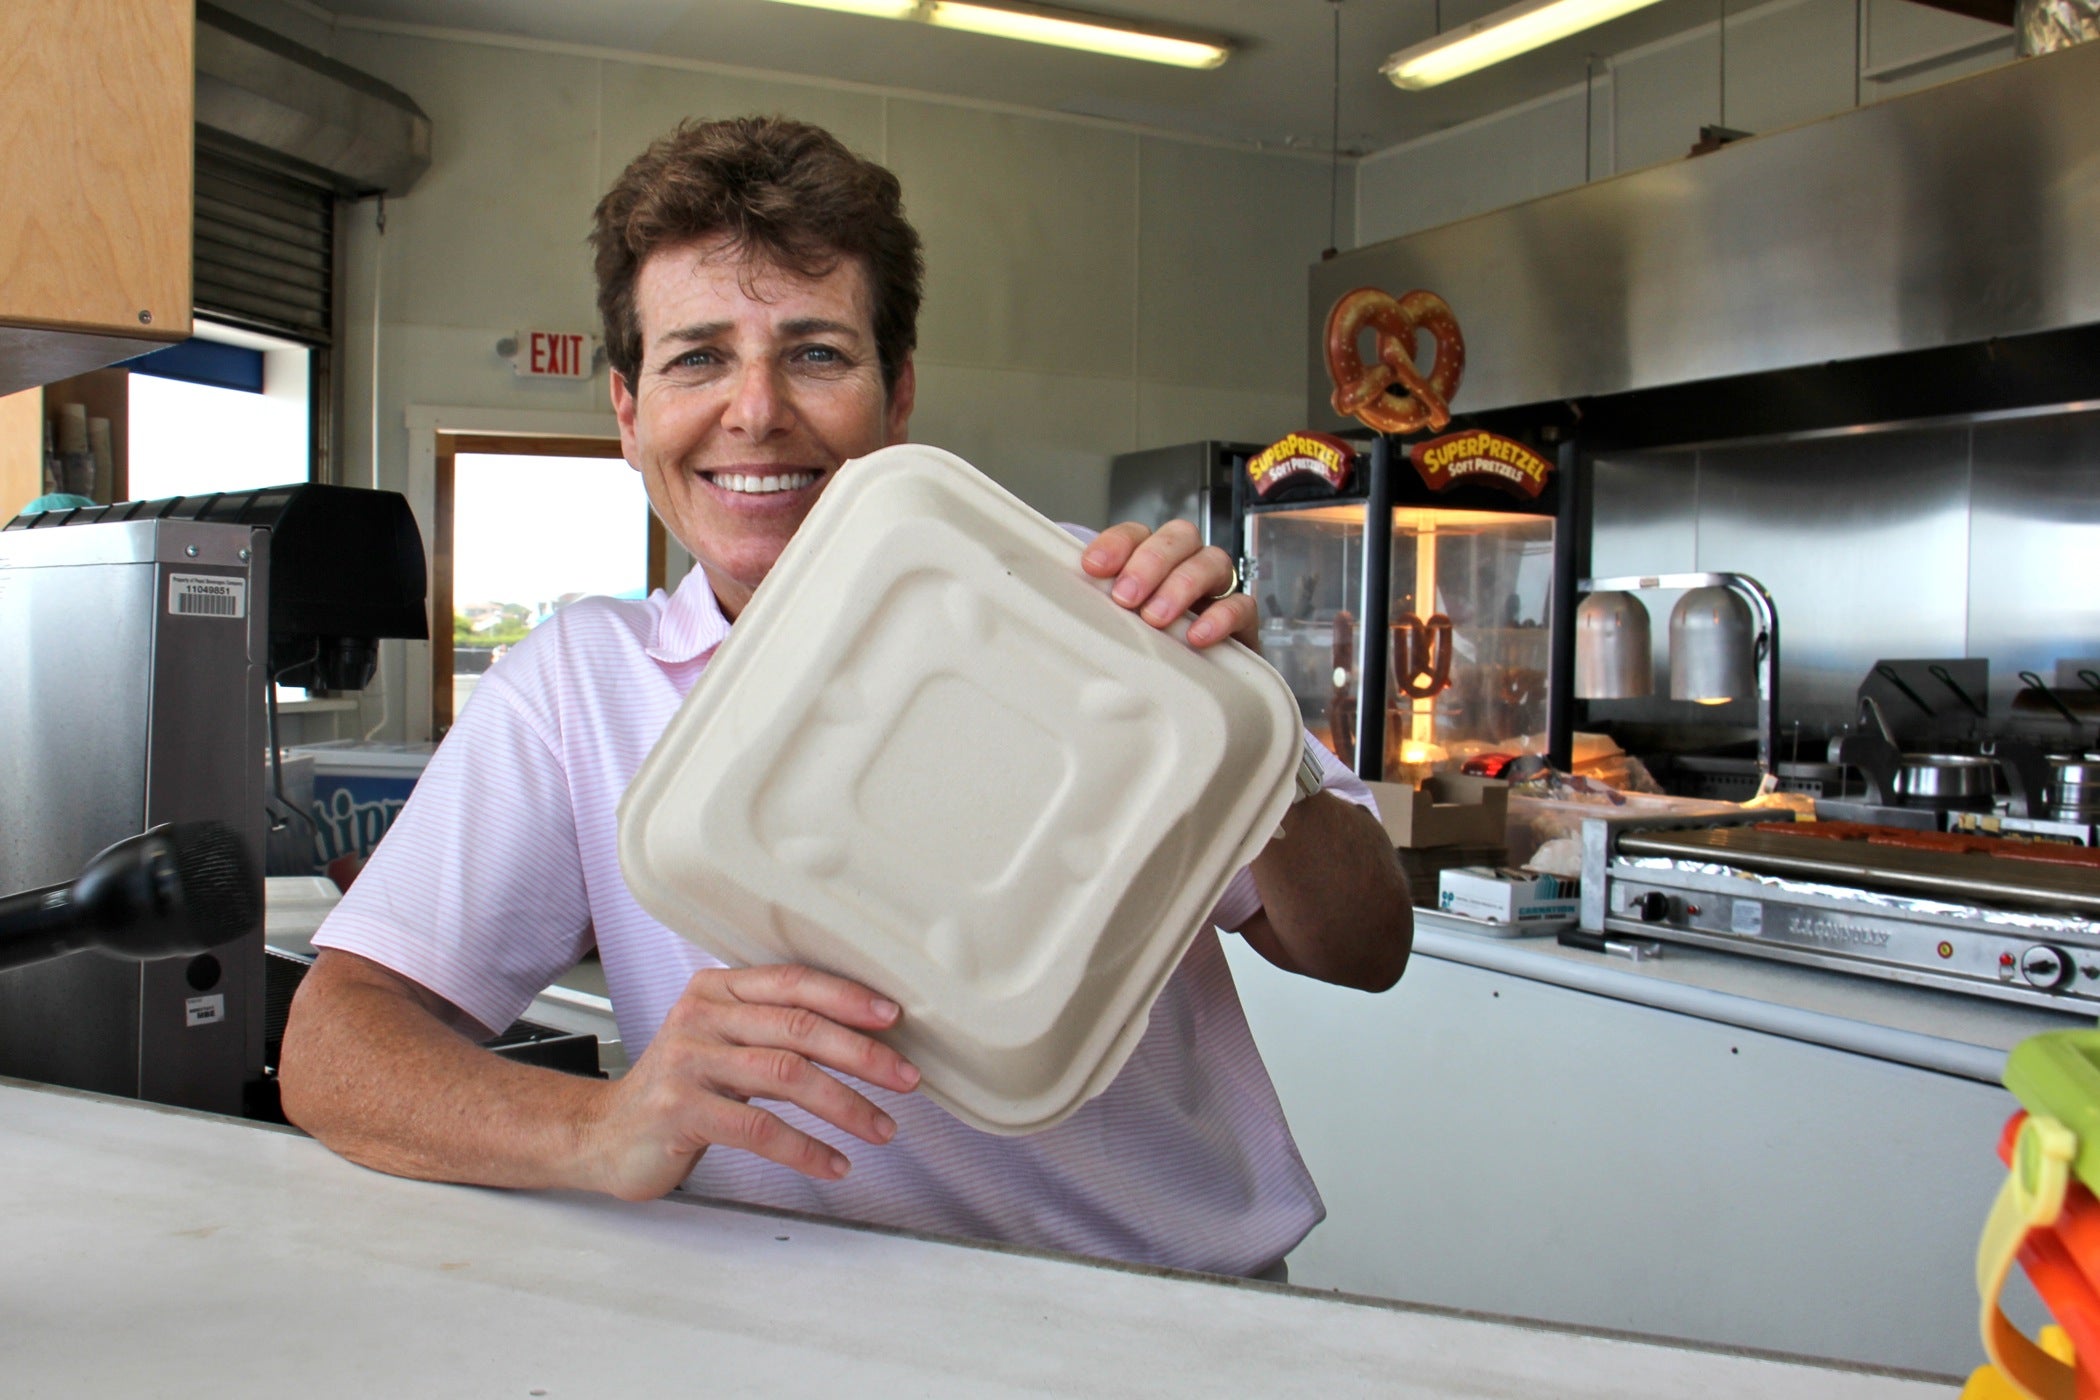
1367, 393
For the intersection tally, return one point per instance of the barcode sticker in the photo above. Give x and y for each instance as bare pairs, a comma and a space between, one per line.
206, 1011
207, 595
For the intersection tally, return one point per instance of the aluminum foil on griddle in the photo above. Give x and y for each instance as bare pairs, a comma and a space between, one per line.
2065, 925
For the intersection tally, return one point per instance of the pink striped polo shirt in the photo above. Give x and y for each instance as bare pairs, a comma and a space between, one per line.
502, 870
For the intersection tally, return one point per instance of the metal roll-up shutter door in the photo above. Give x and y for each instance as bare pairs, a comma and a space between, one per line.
265, 249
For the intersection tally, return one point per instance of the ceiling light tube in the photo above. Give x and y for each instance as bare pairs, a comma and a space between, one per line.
1067, 29
875, 9
1046, 24
1501, 35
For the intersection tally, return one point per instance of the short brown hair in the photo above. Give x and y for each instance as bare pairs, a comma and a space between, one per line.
771, 187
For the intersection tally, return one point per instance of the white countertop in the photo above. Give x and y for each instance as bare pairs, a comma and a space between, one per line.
161, 1252
1952, 1033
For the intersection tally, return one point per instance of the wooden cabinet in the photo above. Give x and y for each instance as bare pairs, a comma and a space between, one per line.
97, 102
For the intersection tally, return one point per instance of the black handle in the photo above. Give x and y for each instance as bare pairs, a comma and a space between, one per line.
1946, 678
1888, 673
2034, 683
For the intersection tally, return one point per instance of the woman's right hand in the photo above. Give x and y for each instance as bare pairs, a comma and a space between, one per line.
737, 1034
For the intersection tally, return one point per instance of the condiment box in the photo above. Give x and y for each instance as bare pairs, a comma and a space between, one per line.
935, 757
1448, 809
1507, 896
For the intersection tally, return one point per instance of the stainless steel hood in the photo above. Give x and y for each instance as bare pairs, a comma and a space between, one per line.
1958, 214
261, 91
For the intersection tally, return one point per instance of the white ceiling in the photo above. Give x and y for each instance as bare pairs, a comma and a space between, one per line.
1276, 90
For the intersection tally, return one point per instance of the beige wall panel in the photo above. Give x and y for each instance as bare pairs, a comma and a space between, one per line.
1045, 437
1176, 413
494, 233
1790, 66
449, 365
459, 366
644, 102
1471, 170
1900, 32
1664, 98
1224, 238
1031, 238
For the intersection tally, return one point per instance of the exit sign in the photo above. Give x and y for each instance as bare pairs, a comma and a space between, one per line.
552, 354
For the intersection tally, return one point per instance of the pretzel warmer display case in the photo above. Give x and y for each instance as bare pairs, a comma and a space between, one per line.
1411, 606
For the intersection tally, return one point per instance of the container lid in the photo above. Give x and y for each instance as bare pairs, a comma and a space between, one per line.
933, 756
366, 756
2057, 1074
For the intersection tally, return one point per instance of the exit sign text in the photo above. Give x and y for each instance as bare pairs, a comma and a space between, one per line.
553, 355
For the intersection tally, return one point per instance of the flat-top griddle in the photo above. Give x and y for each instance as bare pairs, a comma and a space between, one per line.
1935, 909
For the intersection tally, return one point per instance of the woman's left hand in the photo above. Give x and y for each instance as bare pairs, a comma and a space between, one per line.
1164, 573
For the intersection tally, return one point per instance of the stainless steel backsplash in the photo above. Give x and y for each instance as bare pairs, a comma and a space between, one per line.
1972, 539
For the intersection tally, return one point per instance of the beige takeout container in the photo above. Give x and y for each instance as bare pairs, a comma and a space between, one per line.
935, 757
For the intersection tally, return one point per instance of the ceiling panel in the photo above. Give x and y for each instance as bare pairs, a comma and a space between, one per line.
1277, 90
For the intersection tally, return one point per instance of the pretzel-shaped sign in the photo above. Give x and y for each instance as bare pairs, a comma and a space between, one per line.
1421, 655
1360, 392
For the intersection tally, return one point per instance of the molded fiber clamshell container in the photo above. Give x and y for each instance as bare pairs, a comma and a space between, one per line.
935, 757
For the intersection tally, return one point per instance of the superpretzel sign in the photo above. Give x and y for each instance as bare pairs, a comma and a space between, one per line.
1481, 458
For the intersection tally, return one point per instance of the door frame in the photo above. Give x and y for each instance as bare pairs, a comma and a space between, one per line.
450, 445
405, 667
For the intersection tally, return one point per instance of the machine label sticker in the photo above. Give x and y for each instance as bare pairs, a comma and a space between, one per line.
1481, 458
207, 595
1300, 455
1747, 917
206, 1011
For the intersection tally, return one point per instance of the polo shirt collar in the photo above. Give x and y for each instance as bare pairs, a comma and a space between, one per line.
691, 624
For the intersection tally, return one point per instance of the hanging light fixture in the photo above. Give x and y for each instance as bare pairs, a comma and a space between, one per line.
1047, 24
1502, 35
1712, 643
1613, 649
1724, 643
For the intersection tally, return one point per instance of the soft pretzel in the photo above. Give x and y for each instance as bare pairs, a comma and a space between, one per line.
1341, 702
1362, 392
1421, 655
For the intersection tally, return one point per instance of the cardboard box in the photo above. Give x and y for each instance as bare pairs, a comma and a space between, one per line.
1449, 809
1507, 896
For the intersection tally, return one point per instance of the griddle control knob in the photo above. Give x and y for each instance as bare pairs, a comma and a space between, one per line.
2045, 967
1653, 907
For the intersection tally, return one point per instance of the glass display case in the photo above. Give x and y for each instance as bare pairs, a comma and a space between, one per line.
1468, 614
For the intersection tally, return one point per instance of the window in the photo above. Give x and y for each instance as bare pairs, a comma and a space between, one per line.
525, 526
225, 411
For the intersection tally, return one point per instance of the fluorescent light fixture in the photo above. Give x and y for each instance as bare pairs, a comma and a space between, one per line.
874, 9
1074, 31
1504, 34
1046, 24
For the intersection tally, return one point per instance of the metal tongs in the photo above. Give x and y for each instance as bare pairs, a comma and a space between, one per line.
2077, 727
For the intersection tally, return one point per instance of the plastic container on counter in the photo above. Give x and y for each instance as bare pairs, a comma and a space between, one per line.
2046, 1219
359, 787
935, 757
